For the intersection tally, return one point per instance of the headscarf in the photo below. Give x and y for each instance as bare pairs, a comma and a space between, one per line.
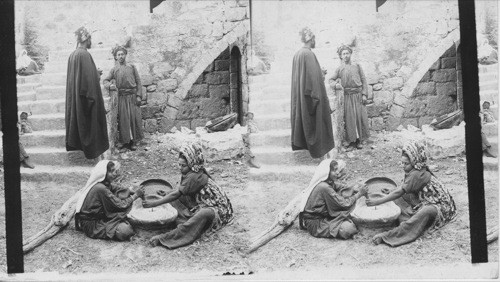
82, 34
193, 154
306, 34
342, 48
97, 175
23, 61
417, 154
118, 48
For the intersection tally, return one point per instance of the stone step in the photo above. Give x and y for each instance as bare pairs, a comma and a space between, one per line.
52, 173
27, 87
273, 121
488, 76
43, 106
62, 66
58, 78
46, 138
98, 54
47, 122
490, 163
28, 79
488, 68
273, 172
26, 96
57, 156
488, 85
489, 95
279, 138
490, 129
270, 106
282, 156
51, 92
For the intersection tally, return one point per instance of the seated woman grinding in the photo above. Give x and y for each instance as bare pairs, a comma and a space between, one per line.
327, 211
101, 209
424, 201
202, 205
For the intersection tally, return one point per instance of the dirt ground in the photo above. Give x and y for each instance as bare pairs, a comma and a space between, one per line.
255, 202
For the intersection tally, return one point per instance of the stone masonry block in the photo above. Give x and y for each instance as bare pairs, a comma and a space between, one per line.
384, 97
209, 68
165, 125
446, 89
235, 14
444, 75
449, 63
378, 123
219, 91
451, 52
147, 80
425, 88
225, 55
222, 65
369, 95
435, 66
198, 90
148, 112
167, 84
217, 77
397, 111
150, 125
170, 113
377, 86
426, 77
375, 110
394, 83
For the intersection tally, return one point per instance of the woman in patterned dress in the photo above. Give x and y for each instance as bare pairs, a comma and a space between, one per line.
202, 205
424, 201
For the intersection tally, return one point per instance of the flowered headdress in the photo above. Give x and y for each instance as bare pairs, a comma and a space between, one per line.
306, 34
193, 154
417, 153
342, 48
82, 34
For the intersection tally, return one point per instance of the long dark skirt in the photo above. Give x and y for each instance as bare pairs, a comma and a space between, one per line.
356, 118
129, 119
411, 225
190, 226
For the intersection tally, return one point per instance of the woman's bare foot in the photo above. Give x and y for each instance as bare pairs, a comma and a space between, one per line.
154, 242
377, 239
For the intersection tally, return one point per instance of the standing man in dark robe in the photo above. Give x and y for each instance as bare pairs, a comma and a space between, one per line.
129, 87
86, 127
352, 79
310, 112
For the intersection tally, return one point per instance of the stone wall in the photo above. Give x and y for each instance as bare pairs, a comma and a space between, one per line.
434, 95
180, 50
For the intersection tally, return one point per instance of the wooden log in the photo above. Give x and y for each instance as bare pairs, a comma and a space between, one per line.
59, 220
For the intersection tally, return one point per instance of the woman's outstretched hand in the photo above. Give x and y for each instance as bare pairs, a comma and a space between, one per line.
148, 204
372, 202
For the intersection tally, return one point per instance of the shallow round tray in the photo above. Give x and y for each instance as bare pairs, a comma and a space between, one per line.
151, 189
380, 216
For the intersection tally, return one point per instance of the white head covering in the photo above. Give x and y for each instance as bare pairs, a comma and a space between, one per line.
298, 204
97, 175
23, 61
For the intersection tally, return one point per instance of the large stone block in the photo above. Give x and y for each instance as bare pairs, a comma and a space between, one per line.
162, 69
210, 67
416, 108
217, 77
224, 55
436, 65
147, 80
383, 97
393, 123
200, 79
222, 65
170, 113
396, 111
150, 125
440, 105
375, 110
198, 90
449, 63
212, 108
400, 99
189, 110
425, 88
178, 73
218, 91
150, 88
157, 98
426, 77
148, 112
174, 101
167, 85
446, 89
165, 125
451, 52
444, 75
377, 123
394, 83
235, 14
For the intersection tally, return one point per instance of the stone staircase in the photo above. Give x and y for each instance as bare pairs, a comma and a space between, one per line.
44, 95
488, 91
